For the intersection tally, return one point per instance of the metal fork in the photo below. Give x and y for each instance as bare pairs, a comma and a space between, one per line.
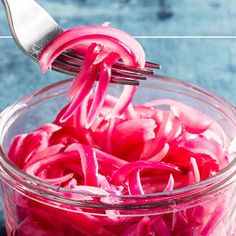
33, 28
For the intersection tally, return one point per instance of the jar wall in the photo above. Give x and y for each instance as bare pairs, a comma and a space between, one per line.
28, 214
27, 217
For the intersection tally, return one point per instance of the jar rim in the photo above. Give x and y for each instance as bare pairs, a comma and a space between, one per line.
38, 187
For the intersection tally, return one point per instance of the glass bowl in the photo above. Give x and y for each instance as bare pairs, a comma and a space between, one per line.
34, 207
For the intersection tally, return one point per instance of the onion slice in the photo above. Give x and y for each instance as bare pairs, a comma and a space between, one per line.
113, 39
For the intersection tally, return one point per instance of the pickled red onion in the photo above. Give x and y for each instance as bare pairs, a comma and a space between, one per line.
89, 168
130, 51
103, 145
104, 45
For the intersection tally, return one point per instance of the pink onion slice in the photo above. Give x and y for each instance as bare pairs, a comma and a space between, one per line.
124, 101
188, 115
121, 174
195, 170
102, 87
111, 38
83, 82
92, 53
88, 162
134, 183
170, 185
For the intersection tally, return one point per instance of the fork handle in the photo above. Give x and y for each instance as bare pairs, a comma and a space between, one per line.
22, 12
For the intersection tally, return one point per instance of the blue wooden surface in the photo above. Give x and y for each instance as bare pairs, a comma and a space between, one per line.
210, 63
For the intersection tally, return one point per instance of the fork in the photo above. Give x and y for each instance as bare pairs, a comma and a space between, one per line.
33, 28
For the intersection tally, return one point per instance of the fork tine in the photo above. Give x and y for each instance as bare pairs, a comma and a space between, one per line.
73, 56
117, 80
76, 68
152, 65
131, 76
61, 66
133, 70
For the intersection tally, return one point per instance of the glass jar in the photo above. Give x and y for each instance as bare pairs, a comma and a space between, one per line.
33, 207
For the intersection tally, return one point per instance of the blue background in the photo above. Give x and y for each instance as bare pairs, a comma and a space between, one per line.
207, 62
